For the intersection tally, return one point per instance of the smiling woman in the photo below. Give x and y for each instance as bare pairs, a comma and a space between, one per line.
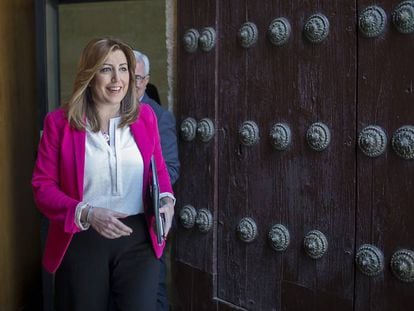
142, 24
63, 27
110, 85
101, 238
102, 82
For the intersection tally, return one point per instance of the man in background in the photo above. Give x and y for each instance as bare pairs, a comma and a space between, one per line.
167, 130
152, 92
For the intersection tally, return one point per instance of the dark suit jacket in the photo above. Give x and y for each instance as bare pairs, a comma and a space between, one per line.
166, 128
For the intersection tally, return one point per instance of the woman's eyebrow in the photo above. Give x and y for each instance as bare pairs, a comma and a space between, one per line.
108, 64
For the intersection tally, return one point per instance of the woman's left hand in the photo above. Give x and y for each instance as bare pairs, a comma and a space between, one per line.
167, 209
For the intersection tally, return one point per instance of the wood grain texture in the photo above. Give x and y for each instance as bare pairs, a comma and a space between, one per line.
299, 84
385, 215
346, 82
196, 98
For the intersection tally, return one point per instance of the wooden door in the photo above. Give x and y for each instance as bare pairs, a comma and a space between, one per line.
197, 80
385, 214
297, 84
334, 197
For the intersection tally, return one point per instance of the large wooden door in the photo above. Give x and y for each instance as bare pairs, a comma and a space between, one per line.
299, 188
385, 214
195, 251
330, 201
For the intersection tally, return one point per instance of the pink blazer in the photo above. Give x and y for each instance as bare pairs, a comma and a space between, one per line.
58, 177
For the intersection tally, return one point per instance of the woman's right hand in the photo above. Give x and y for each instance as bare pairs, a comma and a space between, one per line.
106, 222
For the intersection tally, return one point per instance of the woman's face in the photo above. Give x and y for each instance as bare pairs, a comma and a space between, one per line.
110, 84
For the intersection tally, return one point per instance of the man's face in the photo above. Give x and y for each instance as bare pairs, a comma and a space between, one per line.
141, 79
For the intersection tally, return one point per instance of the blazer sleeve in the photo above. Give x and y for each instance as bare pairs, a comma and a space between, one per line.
168, 135
49, 197
163, 175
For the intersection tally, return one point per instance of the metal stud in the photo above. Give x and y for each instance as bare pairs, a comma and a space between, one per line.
372, 141
403, 17
205, 129
403, 142
371, 21
249, 133
402, 265
190, 40
315, 244
207, 39
318, 136
279, 31
279, 237
188, 129
280, 136
247, 230
248, 34
204, 220
369, 260
187, 216
316, 28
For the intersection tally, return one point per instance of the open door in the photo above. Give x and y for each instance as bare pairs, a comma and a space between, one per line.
47, 56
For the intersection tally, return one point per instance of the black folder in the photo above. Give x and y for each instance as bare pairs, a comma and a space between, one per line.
155, 194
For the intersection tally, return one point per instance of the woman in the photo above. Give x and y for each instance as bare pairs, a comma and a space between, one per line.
91, 180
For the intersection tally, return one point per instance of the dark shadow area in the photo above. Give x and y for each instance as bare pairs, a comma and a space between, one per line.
23, 135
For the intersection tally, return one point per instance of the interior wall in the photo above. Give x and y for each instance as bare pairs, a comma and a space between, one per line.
171, 34
19, 225
141, 23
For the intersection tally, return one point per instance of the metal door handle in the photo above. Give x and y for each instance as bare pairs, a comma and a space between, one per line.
369, 260
187, 216
372, 21
279, 237
403, 17
316, 28
315, 244
247, 230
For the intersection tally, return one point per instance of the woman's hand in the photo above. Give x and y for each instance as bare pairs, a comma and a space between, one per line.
106, 222
167, 209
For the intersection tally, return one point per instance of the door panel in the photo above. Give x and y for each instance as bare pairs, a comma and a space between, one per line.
385, 183
197, 100
299, 188
346, 82
194, 251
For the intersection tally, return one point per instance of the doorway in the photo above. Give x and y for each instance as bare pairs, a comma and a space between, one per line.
63, 27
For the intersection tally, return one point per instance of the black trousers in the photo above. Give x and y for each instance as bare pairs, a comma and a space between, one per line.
48, 278
97, 272
162, 293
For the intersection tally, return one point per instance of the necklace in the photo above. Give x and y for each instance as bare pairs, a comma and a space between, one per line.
106, 136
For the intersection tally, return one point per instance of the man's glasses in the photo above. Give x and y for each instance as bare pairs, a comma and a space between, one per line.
139, 78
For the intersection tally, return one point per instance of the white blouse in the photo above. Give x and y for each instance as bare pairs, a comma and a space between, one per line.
114, 172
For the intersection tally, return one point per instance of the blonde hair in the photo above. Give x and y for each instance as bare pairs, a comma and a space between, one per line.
81, 105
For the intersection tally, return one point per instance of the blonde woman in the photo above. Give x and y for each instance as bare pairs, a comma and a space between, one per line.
91, 180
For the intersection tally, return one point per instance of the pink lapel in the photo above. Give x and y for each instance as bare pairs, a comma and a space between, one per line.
79, 139
141, 136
